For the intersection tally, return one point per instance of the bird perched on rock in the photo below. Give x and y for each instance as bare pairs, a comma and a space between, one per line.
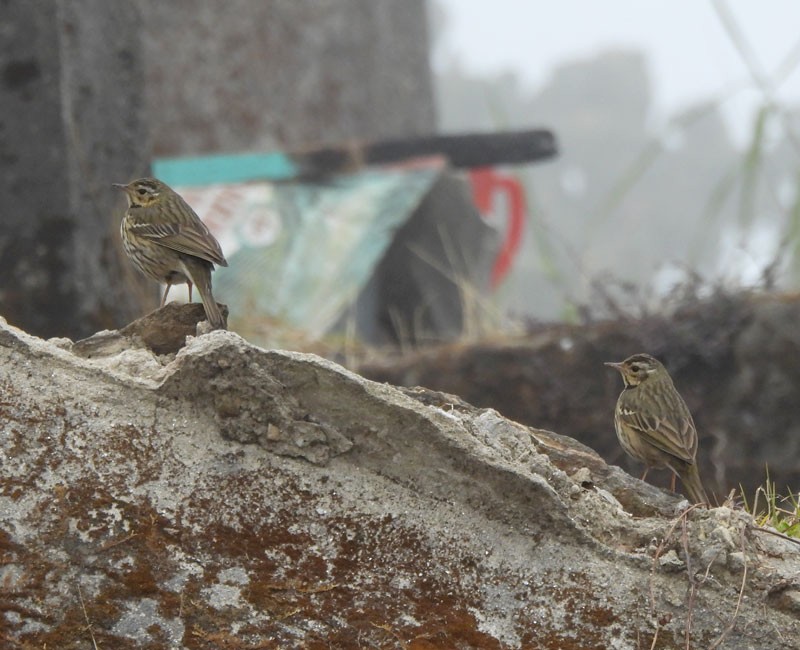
167, 241
654, 424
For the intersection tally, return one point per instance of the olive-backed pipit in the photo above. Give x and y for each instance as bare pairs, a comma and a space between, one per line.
167, 242
653, 423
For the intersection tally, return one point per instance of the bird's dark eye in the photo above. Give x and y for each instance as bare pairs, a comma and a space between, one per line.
141, 191
635, 368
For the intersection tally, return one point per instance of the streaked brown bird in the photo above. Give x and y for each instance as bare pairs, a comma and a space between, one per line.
654, 424
167, 241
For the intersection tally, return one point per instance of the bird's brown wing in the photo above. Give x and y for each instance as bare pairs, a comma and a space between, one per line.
192, 238
675, 434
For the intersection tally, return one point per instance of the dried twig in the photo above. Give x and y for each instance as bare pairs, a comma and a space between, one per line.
86, 617
775, 533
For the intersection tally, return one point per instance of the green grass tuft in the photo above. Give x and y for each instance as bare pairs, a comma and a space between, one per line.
771, 509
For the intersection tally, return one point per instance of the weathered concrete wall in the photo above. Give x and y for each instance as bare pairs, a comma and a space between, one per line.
256, 74
71, 122
87, 85
233, 497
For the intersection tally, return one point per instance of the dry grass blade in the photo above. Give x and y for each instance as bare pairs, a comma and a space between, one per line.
86, 617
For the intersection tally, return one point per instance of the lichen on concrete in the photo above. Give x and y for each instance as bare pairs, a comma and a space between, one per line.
164, 512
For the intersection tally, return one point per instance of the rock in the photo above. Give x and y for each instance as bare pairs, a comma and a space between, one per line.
163, 331
671, 562
232, 496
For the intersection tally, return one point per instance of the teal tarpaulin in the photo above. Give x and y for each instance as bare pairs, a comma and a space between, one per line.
300, 252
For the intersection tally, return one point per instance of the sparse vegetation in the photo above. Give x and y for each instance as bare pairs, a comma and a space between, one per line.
769, 508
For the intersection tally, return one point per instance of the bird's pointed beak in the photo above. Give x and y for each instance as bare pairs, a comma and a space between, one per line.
121, 186
613, 364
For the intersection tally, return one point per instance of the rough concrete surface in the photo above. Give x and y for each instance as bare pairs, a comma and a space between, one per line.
233, 497
249, 75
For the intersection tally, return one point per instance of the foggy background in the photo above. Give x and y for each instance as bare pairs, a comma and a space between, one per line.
676, 125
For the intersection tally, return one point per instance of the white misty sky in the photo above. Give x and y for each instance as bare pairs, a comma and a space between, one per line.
690, 55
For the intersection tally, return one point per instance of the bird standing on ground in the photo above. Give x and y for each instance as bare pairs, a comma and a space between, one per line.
654, 424
167, 241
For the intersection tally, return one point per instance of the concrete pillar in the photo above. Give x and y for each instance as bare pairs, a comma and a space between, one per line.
257, 75
71, 123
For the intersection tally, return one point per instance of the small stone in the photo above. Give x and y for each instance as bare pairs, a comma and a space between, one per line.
788, 601
715, 555
61, 342
583, 475
671, 562
723, 535
273, 432
737, 561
